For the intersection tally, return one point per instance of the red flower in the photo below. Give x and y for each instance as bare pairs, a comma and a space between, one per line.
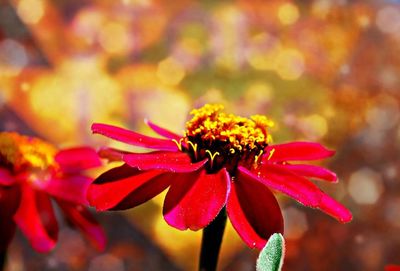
221, 161
392, 267
32, 174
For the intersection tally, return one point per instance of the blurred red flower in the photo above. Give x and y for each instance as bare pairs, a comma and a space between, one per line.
221, 161
392, 267
32, 174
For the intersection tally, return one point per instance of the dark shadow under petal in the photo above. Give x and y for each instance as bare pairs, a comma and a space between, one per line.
9, 201
253, 211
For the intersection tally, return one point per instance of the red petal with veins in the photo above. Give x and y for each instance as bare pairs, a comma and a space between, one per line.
70, 188
170, 161
77, 159
6, 178
119, 186
296, 151
288, 183
133, 138
9, 202
195, 199
162, 131
80, 217
253, 211
35, 217
312, 172
299, 189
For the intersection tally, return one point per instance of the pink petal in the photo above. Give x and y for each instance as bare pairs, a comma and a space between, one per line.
299, 189
335, 209
253, 211
9, 202
35, 217
296, 151
70, 188
286, 182
162, 131
133, 138
80, 217
312, 172
125, 187
6, 178
195, 199
170, 161
77, 159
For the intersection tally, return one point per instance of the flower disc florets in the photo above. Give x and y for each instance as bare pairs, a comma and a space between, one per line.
18, 152
226, 139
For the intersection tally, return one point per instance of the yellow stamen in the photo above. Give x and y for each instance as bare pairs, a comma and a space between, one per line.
194, 147
212, 156
232, 150
18, 151
210, 124
271, 153
258, 156
178, 144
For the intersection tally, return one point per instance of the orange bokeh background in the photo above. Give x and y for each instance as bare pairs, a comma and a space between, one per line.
323, 70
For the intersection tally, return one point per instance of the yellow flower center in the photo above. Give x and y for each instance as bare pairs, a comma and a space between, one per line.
19, 152
224, 138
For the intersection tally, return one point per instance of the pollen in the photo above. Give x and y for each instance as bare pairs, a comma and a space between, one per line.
210, 125
18, 152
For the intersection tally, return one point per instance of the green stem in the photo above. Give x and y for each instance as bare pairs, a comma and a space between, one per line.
211, 242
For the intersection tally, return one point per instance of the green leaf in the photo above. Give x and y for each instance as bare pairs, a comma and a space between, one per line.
271, 256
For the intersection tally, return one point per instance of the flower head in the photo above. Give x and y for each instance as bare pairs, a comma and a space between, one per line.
221, 161
226, 140
34, 173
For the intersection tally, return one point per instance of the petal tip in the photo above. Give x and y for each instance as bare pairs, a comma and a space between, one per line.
42, 246
331, 152
346, 218
171, 222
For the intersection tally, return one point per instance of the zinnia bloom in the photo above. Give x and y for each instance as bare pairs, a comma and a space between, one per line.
33, 174
221, 161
